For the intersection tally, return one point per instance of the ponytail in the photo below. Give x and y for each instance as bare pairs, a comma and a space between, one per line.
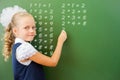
8, 42
8, 19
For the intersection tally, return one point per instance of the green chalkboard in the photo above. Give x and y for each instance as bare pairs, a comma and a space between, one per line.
92, 50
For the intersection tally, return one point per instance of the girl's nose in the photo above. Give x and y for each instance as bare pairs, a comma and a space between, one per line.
32, 30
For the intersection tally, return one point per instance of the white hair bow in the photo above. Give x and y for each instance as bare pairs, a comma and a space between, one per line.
7, 14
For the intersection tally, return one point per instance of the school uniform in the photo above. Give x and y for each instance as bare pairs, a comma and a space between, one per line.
27, 70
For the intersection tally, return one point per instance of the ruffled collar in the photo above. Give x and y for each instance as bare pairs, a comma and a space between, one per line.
19, 40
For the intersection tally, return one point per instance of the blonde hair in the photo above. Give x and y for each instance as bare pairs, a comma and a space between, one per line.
9, 36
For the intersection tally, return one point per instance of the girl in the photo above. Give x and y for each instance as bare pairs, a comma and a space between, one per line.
27, 61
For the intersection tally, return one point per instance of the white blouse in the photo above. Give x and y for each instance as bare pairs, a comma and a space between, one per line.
24, 51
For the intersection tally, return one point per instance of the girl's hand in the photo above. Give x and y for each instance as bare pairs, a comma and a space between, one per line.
62, 37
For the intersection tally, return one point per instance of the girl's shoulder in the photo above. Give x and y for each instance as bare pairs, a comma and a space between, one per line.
24, 51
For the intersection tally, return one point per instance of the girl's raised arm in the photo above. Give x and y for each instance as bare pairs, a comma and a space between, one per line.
53, 60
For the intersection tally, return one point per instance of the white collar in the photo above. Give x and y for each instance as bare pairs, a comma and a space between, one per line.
18, 40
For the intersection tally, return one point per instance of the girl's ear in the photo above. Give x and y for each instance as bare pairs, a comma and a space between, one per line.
15, 31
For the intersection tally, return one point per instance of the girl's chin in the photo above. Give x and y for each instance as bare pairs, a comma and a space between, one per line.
30, 39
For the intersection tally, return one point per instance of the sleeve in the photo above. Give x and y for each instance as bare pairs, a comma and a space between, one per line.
24, 51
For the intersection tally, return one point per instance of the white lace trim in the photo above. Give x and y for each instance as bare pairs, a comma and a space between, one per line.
24, 51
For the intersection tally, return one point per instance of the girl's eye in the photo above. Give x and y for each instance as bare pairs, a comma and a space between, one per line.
34, 28
26, 27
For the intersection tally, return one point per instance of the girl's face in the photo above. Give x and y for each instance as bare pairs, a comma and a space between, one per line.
25, 28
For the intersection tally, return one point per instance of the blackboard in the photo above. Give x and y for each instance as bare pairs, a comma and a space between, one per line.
91, 51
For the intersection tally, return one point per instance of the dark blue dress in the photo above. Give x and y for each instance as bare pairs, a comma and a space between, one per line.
33, 71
